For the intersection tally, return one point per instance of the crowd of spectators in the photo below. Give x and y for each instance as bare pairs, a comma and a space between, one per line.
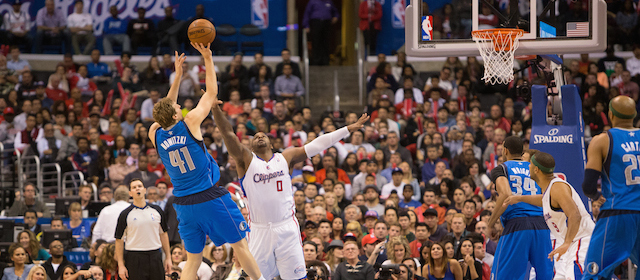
411, 188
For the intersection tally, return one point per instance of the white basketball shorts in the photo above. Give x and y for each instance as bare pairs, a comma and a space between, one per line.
277, 248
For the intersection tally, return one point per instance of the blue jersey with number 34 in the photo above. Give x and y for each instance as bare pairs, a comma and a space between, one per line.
621, 171
186, 159
517, 173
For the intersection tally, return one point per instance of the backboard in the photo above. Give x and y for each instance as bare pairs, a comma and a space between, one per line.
437, 28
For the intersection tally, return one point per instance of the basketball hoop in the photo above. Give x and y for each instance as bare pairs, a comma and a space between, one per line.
497, 47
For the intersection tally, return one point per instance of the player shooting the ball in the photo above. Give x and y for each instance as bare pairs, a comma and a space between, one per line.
203, 209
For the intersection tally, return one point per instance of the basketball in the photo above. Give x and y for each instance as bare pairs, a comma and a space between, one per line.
201, 31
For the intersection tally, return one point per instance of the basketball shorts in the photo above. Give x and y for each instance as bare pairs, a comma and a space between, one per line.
615, 238
219, 218
570, 266
523, 242
277, 248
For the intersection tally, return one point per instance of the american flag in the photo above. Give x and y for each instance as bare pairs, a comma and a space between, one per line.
577, 29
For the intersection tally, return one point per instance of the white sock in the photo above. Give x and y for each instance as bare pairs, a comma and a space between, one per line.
262, 278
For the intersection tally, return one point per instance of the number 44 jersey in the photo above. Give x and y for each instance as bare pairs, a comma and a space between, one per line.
517, 172
620, 171
191, 168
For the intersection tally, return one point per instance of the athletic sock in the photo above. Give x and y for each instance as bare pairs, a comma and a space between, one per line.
262, 278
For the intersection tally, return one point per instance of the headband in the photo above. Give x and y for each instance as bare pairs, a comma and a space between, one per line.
542, 168
618, 114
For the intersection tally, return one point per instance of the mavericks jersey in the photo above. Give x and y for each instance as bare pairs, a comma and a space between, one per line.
557, 220
620, 171
267, 186
190, 166
517, 172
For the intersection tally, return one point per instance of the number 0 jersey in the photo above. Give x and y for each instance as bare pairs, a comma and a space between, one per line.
191, 168
557, 220
620, 171
267, 186
517, 172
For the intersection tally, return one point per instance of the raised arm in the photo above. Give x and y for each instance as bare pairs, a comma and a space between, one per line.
294, 155
201, 111
239, 152
175, 86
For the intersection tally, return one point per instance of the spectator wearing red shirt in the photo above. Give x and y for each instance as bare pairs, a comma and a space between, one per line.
233, 108
153, 165
370, 13
54, 91
422, 237
327, 161
429, 202
81, 81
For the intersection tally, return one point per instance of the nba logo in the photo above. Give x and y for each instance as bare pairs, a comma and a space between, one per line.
560, 175
260, 13
397, 13
427, 28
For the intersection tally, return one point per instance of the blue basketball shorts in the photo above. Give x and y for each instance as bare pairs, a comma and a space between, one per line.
519, 246
219, 218
615, 238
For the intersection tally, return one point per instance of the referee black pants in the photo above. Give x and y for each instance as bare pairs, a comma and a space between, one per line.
144, 265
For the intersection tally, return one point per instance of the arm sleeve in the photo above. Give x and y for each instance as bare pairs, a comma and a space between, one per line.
497, 172
163, 218
323, 142
122, 223
590, 183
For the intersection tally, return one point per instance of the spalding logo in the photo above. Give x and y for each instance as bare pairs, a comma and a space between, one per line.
553, 131
243, 226
193, 32
592, 268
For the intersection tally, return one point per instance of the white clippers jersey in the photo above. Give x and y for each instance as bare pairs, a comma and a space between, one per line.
267, 186
557, 220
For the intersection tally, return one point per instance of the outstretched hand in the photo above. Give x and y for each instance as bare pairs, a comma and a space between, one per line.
204, 50
512, 199
178, 63
359, 124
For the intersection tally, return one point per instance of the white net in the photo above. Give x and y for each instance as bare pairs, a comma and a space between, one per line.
497, 47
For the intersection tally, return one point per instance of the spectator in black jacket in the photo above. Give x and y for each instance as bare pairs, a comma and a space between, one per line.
142, 32
353, 268
58, 259
286, 59
168, 29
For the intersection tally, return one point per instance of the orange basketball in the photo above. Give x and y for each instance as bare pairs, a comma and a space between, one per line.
201, 31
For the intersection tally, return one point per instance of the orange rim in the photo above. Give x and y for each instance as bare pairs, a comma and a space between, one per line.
499, 36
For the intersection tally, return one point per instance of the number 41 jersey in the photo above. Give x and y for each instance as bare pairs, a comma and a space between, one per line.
191, 168
620, 171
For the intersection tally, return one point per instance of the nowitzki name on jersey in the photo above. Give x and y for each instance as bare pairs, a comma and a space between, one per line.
175, 140
631, 146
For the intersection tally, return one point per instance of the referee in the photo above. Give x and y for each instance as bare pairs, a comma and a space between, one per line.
145, 228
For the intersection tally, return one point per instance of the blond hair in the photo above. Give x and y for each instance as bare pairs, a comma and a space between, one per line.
33, 271
398, 240
163, 112
74, 207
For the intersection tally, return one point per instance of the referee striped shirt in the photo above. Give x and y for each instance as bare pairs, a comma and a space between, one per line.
141, 227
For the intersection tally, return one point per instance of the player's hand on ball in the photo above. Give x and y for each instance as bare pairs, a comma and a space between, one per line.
559, 251
123, 273
359, 124
204, 50
178, 63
